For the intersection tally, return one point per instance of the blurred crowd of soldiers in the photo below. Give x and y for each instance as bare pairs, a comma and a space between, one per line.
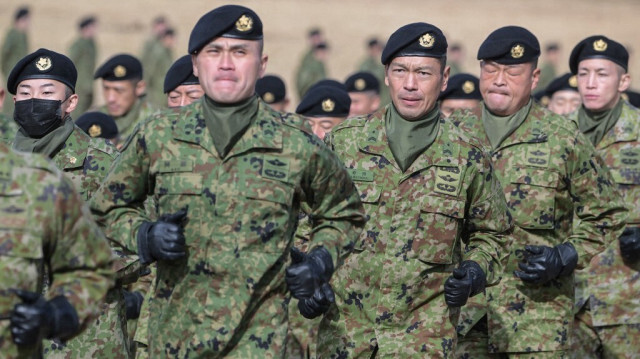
412, 210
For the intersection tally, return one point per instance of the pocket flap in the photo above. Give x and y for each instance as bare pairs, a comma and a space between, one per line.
179, 183
451, 207
535, 177
368, 192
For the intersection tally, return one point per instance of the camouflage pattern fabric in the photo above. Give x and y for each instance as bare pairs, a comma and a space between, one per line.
390, 291
14, 48
227, 297
610, 285
46, 228
140, 110
83, 53
549, 173
8, 129
308, 73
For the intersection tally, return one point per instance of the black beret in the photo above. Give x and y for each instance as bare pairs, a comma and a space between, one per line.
232, 21
21, 12
329, 82
361, 82
417, 39
98, 124
541, 97
271, 89
462, 86
180, 73
325, 101
510, 45
598, 47
633, 98
120, 67
43, 64
87, 21
567, 81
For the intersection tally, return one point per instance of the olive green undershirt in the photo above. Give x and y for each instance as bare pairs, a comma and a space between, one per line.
595, 125
498, 128
408, 139
228, 122
129, 119
48, 144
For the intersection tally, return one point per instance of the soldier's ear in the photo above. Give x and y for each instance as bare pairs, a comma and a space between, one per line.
263, 64
72, 102
193, 63
535, 77
445, 78
625, 82
141, 88
2, 94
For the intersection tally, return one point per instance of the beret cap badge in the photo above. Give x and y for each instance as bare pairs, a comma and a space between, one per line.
600, 45
468, 87
269, 97
360, 84
328, 105
427, 40
119, 71
95, 130
517, 51
43, 63
244, 23
573, 81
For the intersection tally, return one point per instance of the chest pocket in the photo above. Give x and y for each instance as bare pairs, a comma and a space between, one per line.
531, 197
626, 167
177, 177
438, 226
370, 197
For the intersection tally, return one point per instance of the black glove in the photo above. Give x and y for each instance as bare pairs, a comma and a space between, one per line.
543, 264
308, 272
466, 281
36, 318
133, 303
318, 304
164, 239
630, 244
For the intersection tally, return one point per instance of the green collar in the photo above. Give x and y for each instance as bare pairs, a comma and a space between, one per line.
595, 125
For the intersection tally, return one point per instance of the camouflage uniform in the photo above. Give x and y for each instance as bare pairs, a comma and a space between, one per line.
612, 318
549, 172
390, 291
140, 110
14, 48
154, 72
46, 228
373, 65
227, 296
8, 129
83, 53
309, 72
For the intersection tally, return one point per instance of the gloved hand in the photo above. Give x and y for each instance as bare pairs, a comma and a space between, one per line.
318, 304
543, 264
466, 281
36, 318
308, 272
133, 303
630, 244
164, 239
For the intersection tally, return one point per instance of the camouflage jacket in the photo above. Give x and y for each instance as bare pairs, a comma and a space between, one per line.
227, 297
549, 173
45, 227
390, 291
85, 161
613, 285
8, 129
140, 111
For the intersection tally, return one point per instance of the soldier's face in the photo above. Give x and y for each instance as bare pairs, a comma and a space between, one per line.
449, 105
414, 84
184, 95
600, 83
323, 125
564, 102
506, 89
46, 89
120, 96
229, 68
363, 103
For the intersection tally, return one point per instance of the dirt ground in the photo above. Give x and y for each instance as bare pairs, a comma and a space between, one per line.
124, 24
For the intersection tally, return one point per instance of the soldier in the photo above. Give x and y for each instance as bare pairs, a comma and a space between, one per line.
43, 83
462, 93
236, 172
8, 127
563, 94
312, 70
98, 124
273, 92
364, 91
422, 183
550, 175
371, 63
47, 236
158, 27
324, 107
608, 321
181, 86
123, 90
83, 53
15, 47
455, 59
548, 69
157, 66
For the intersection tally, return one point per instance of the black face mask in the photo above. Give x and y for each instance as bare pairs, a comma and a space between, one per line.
38, 117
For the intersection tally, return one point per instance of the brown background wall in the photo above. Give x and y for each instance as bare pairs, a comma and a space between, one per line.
347, 24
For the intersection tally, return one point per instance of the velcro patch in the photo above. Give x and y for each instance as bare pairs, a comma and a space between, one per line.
448, 180
275, 168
